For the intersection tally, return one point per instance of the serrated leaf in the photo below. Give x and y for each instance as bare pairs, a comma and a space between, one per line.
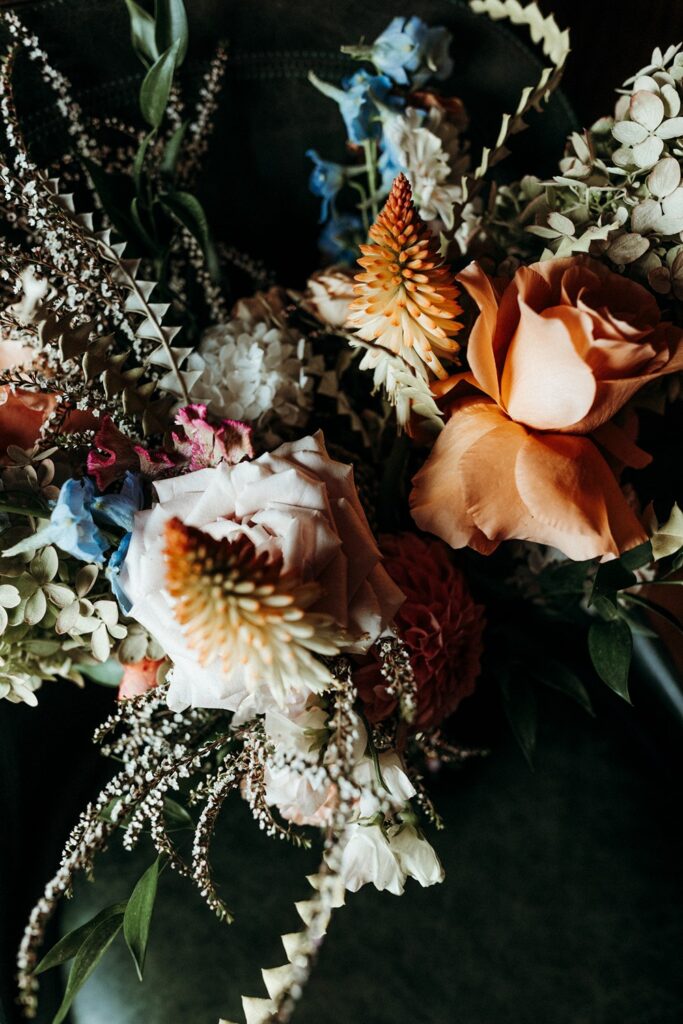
557, 676
142, 31
171, 27
86, 960
69, 945
610, 645
138, 916
156, 86
519, 704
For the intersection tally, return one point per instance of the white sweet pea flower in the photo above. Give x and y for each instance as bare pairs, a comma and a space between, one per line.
416, 857
368, 857
395, 787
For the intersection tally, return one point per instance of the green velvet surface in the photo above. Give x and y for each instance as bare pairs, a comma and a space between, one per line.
561, 905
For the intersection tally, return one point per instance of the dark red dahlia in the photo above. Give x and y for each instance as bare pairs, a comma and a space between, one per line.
439, 623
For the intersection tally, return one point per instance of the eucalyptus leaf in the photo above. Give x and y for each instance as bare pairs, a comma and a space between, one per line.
156, 86
138, 916
171, 26
610, 645
142, 30
519, 704
140, 226
69, 945
86, 960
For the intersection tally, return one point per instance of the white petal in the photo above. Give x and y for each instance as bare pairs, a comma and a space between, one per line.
664, 177
647, 109
646, 217
628, 248
647, 153
672, 101
629, 133
671, 129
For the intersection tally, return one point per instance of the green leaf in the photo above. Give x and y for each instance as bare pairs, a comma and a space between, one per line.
156, 87
519, 704
69, 945
611, 577
139, 161
171, 26
636, 558
172, 151
187, 209
86, 960
138, 916
559, 677
114, 192
175, 816
142, 33
140, 226
108, 673
610, 645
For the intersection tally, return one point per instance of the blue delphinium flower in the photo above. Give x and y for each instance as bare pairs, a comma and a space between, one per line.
326, 180
71, 523
356, 100
119, 509
410, 52
339, 239
113, 572
71, 527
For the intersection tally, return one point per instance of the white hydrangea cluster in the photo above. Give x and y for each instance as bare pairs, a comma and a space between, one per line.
255, 371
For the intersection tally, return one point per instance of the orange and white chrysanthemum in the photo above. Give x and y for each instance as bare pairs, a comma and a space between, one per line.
406, 299
240, 612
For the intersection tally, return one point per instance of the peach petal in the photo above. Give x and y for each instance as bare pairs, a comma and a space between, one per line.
437, 501
574, 498
480, 350
497, 510
546, 383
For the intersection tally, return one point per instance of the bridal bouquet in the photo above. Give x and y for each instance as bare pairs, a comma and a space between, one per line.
293, 529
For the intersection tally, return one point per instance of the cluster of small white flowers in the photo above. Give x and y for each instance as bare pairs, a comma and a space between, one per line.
254, 371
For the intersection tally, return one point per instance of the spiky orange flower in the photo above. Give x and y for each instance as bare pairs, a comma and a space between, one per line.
407, 297
240, 612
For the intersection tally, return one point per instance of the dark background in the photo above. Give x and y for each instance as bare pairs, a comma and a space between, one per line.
562, 903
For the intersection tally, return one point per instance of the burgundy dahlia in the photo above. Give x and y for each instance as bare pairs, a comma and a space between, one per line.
439, 623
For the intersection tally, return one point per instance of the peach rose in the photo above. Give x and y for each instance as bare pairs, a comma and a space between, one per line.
22, 413
139, 678
558, 352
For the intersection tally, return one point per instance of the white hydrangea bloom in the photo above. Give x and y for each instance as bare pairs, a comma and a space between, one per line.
254, 372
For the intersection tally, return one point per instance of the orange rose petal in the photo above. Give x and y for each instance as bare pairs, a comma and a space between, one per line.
480, 353
488, 480
437, 501
574, 498
20, 420
546, 383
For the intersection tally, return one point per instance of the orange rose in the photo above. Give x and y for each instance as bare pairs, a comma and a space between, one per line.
22, 413
558, 351
139, 678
